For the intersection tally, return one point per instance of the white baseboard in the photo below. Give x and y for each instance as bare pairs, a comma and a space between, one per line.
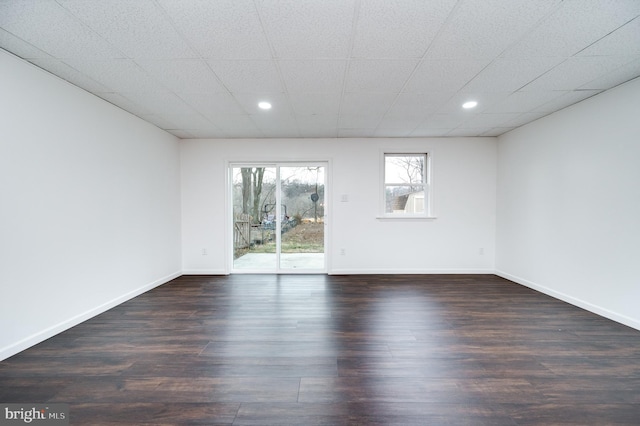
357, 271
204, 272
408, 271
622, 319
43, 335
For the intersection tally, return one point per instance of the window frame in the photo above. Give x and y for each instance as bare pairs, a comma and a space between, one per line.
426, 186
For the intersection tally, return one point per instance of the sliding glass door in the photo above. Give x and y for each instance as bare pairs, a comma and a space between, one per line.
253, 195
278, 217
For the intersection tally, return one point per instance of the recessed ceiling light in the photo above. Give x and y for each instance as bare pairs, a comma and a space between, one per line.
264, 105
470, 104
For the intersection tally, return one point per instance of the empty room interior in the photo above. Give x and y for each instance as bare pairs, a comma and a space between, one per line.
320, 212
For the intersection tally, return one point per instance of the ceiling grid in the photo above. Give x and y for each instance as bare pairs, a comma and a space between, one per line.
331, 68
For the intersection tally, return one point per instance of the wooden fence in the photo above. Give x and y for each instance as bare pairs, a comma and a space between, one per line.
242, 231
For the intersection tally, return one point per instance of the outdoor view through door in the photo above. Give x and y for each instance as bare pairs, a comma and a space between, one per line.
278, 217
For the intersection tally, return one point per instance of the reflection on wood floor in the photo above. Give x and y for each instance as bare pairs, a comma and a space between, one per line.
337, 350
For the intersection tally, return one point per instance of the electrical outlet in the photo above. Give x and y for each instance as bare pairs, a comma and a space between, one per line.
481, 251
343, 252
204, 252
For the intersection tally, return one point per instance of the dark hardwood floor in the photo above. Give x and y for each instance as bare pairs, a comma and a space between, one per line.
337, 350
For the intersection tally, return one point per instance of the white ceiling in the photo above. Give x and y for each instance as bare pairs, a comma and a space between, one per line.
331, 68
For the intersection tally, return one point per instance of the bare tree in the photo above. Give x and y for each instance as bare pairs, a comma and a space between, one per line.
257, 175
413, 166
252, 179
246, 188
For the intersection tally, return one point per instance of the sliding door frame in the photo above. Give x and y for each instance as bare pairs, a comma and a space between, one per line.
229, 239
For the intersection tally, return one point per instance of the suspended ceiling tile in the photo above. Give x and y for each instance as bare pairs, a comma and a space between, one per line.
485, 100
20, 48
523, 101
387, 29
400, 126
139, 28
212, 104
427, 132
375, 104
484, 29
569, 98
575, 26
469, 132
418, 105
618, 76
525, 118
392, 132
443, 121
49, 27
577, 71
317, 121
324, 26
508, 75
64, 71
209, 133
272, 121
242, 134
320, 133
318, 125
497, 131
444, 75
119, 75
331, 57
281, 132
247, 76
221, 29
315, 103
356, 133
378, 76
235, 123
161, 103
354, 121
490, 120
279, 102
313, 76
623, 41
189, 121
183, 75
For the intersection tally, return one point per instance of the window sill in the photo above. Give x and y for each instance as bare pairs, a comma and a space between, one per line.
406, 217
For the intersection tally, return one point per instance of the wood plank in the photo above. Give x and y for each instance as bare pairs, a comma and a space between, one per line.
326, 350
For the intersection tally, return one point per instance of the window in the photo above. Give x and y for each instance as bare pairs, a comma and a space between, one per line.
406, 185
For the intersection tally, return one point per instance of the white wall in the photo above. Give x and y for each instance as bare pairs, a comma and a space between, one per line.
89, 212
569, 204
464, 177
